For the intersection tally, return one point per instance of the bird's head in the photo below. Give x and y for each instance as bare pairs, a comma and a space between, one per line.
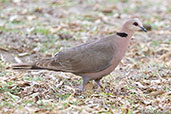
134, 25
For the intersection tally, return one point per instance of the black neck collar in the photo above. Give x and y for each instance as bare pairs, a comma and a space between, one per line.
122, 34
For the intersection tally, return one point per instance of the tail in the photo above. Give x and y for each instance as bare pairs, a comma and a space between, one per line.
24, 66
44, 64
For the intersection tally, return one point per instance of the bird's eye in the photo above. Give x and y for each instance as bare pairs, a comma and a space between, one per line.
135, 23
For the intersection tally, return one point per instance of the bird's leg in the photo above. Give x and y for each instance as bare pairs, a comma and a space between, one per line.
98, 84
85, 81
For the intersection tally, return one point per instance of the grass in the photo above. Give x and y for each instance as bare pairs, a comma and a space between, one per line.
8, 88
41, 30
30, 78
4, 1
155, 43
45, 95
5, 29
64, 3
3, 73
113, 1
6, 104
169, 10
63, 97
44, 48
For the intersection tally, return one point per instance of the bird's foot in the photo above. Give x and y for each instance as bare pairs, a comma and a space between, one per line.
79, 88
99, 86
98, 90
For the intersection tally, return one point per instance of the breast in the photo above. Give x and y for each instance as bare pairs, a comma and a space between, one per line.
120, 47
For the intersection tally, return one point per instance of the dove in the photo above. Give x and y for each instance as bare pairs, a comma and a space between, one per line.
92, 60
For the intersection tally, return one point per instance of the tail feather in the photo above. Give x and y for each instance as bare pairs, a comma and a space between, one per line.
25, 66
44, 64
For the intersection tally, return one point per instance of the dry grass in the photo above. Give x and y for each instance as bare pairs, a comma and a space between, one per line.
30, 30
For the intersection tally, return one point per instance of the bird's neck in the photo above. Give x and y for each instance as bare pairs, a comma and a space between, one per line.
124, 41
127, 31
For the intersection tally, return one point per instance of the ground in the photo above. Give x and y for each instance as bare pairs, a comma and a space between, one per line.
35, 29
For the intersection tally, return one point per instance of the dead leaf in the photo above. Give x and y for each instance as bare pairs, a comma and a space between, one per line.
31, 17
156, 93
166, 57
22, 54
24, 84
148, 27
4, 49
107, 10
63, 36
140, 85
17, 59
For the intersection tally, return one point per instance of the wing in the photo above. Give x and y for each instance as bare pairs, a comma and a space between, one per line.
91, 57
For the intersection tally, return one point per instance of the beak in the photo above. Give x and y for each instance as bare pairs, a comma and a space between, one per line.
142, 28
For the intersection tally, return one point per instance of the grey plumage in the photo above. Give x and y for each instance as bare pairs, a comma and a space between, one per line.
91, 61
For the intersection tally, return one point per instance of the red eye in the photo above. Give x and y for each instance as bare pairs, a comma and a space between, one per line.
135, 23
